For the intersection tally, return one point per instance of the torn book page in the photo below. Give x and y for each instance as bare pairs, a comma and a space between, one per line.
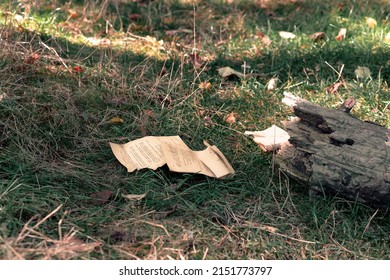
155, 151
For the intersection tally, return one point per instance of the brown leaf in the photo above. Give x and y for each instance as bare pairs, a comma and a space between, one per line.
333, 89
317, 36
204, 85
32, 58
197, 61
102, 197
231, 118
167, 20
264, 39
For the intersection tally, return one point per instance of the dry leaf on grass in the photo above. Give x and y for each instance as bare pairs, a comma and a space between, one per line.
167, 20
77, 69
265, 40
371, 22
362, 72
287, 35
32, 58
272, 84
204, 85
317, 36
134, 196
231, 118
341, 35
197, 61
387, 38
116, 120
333, 89
3, 96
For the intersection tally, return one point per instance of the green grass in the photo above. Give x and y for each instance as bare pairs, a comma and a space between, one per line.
55, 128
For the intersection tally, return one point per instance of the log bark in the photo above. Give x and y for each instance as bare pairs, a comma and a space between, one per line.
335, 153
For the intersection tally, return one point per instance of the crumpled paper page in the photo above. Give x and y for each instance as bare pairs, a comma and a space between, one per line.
155, 151
270, 139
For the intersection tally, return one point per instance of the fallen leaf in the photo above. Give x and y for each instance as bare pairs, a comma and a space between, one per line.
32, 58
3, 96
371, 22
134, 196
227, 72
231, 118
317, 36
287, 35
204, 85
264, 39
72, 14
197, 61
167, 20
99, 198
387, 38
333, 89
341, 35
77, 69
272, 84
362, 72
116, 120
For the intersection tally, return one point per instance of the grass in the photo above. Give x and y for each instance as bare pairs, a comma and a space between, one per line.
65, 75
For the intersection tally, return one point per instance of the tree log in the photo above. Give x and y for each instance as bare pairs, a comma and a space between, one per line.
335, 153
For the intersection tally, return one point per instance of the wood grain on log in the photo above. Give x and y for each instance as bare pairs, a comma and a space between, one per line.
335, 153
